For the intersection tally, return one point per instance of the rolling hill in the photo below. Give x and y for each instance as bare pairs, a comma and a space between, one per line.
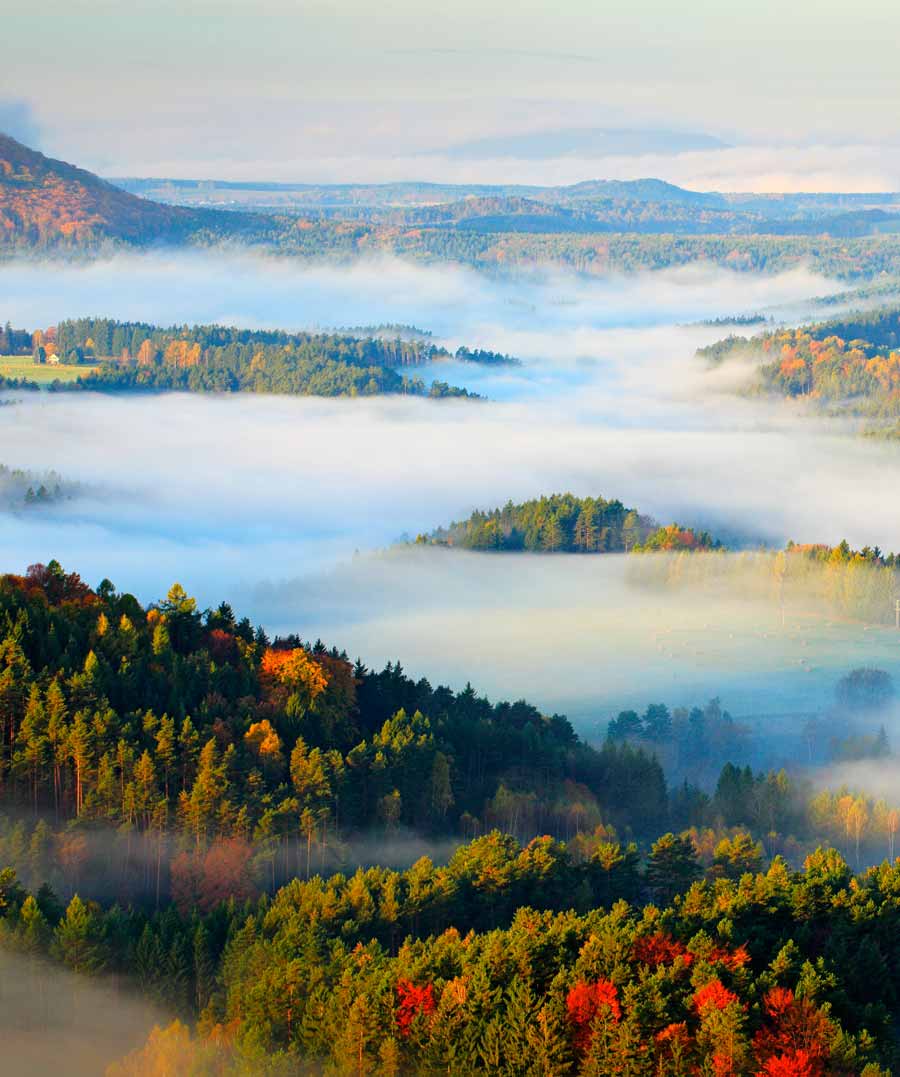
46, 203
596, 227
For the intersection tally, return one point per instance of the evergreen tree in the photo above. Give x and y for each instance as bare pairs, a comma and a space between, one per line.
671, 868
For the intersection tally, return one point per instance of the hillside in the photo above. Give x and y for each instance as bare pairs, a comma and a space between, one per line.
49, 203
851, 363
562, 523
642, 207
177, 790
597, 227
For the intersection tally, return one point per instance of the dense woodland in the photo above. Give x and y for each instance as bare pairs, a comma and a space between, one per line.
506, 962
236, 734
852, 361
135, 356
165, 769
563, 523
14, 341
598, 254
696, 746
561, 211
387, 346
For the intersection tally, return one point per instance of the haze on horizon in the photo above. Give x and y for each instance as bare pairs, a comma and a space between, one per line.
324, 92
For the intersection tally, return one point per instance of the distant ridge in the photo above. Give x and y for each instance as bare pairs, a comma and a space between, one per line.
417, 192
595, 226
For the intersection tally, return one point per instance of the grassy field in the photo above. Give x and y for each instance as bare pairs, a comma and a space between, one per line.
22, 366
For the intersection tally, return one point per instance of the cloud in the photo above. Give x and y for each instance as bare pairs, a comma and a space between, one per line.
877, 778
256, 80
583, 142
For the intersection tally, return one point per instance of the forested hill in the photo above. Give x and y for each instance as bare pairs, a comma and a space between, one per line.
853, 361
871, 331
174, 719
161, 768
563, 523
128, 356
879, 328
598, 227
47, 204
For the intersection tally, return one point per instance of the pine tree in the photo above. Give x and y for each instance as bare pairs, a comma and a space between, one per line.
39, 851
57, 736
585, 533
441, 789
204, 967
166, 751
145, 783
352, 1052
33, 746
206, 792
77, 939
552, 534
15, 673
32, 930
80, 751
671, 867
189, 744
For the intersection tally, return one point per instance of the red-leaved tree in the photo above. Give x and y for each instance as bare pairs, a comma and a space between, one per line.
659, 949
796, 1034
584, 1003
714, 994
412, 1000
792, 1064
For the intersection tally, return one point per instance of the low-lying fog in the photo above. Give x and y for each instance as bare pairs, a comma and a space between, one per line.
53, 1021
264, 500
586, 635
265, 292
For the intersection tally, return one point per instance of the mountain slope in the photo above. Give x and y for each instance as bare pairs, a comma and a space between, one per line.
49, 203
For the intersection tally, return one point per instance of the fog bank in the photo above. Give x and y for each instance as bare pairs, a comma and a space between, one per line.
231, 495
53, 1021
588, 635
260, 291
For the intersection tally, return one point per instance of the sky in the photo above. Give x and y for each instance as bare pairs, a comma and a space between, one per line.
802, 95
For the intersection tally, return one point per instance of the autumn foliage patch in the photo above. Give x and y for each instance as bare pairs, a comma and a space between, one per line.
584, 1003
412, 1000
659, 949
713, 995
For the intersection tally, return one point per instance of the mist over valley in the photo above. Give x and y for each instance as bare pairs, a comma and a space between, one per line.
449, 559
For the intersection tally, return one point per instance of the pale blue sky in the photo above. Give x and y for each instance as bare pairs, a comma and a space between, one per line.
352, 89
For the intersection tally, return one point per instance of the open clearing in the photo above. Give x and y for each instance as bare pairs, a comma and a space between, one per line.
23, 366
